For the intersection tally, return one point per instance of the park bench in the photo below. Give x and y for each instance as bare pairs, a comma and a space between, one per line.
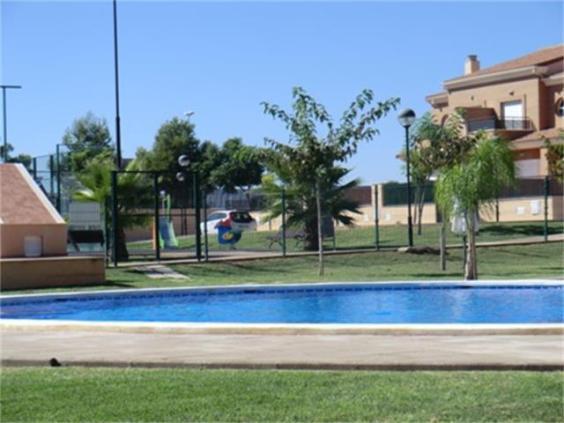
297, 236
83, 236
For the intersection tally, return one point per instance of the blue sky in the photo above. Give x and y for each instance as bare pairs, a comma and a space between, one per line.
221, 59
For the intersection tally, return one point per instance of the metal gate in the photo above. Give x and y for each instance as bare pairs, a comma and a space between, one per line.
155, 215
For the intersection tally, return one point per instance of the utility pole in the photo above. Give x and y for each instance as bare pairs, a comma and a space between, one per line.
116, 78
5, 117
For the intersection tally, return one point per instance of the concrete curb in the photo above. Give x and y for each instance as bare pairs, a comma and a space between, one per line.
290, 366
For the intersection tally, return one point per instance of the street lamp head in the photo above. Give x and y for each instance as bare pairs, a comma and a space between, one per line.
183, 160
406, 118
180, 177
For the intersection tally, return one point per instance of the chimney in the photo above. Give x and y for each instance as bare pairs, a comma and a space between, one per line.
471, 65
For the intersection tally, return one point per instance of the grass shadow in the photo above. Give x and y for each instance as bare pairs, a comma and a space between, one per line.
524, 230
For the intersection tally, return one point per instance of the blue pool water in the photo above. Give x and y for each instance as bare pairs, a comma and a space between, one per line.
347, 303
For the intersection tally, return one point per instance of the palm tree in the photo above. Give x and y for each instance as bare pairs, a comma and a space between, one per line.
473, 183
134, 192
300, 202
434, 146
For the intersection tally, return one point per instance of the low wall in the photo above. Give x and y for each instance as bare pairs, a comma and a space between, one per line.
54, 238
49, 272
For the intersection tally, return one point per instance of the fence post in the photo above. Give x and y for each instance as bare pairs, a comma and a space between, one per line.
319, 229
283, 222
114, 218
58, 178
196, 190
157, 218
106, 229
35, 168
206, 245
546, 191
51, 177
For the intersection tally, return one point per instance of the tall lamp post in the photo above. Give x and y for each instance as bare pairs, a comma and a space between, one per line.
406, 119
116, 82
5, 114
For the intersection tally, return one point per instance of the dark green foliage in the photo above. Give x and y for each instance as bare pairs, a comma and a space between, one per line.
238, 166
24, 159
231, 167
87, 138
555, 158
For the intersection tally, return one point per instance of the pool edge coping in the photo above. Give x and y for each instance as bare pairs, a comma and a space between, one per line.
182, 328
485, 282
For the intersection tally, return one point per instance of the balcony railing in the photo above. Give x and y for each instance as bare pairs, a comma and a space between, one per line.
493, 123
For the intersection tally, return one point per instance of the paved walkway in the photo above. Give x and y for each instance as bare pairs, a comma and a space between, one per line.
34, 347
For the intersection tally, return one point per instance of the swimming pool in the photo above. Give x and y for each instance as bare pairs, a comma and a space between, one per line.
353, 303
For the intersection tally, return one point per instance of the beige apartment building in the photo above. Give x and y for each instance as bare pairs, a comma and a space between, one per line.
520, 100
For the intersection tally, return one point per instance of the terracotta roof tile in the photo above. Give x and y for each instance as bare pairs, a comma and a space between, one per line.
539, 57
19, 204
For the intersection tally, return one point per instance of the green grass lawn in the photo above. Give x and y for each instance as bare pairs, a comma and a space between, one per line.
75, 394
364, 237
511, 262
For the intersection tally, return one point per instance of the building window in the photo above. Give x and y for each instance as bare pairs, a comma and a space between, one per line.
560, 107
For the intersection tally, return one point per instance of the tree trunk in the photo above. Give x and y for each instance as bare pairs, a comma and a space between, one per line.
420, 205
420, 217
122, 253
442, 243
471, 267
311, 241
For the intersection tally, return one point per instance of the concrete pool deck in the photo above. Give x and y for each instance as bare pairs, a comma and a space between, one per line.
315, 351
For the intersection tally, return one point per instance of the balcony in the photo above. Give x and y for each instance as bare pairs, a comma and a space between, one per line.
507, 125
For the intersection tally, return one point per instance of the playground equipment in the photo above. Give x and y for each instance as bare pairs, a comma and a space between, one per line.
226, 234
167, 237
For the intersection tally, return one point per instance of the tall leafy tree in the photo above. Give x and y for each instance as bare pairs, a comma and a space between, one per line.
88, 137
310, 163
468, 185
237, 167
173, 139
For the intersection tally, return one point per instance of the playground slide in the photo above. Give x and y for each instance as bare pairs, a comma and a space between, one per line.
167, 238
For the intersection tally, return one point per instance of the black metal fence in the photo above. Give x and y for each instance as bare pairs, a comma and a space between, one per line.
159, 217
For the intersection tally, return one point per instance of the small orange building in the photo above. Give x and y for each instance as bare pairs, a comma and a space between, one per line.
520, 100
33, 238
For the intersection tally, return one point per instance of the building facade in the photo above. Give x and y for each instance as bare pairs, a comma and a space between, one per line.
520, 100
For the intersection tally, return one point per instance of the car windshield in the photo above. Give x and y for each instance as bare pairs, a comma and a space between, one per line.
241, 217
216, 216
